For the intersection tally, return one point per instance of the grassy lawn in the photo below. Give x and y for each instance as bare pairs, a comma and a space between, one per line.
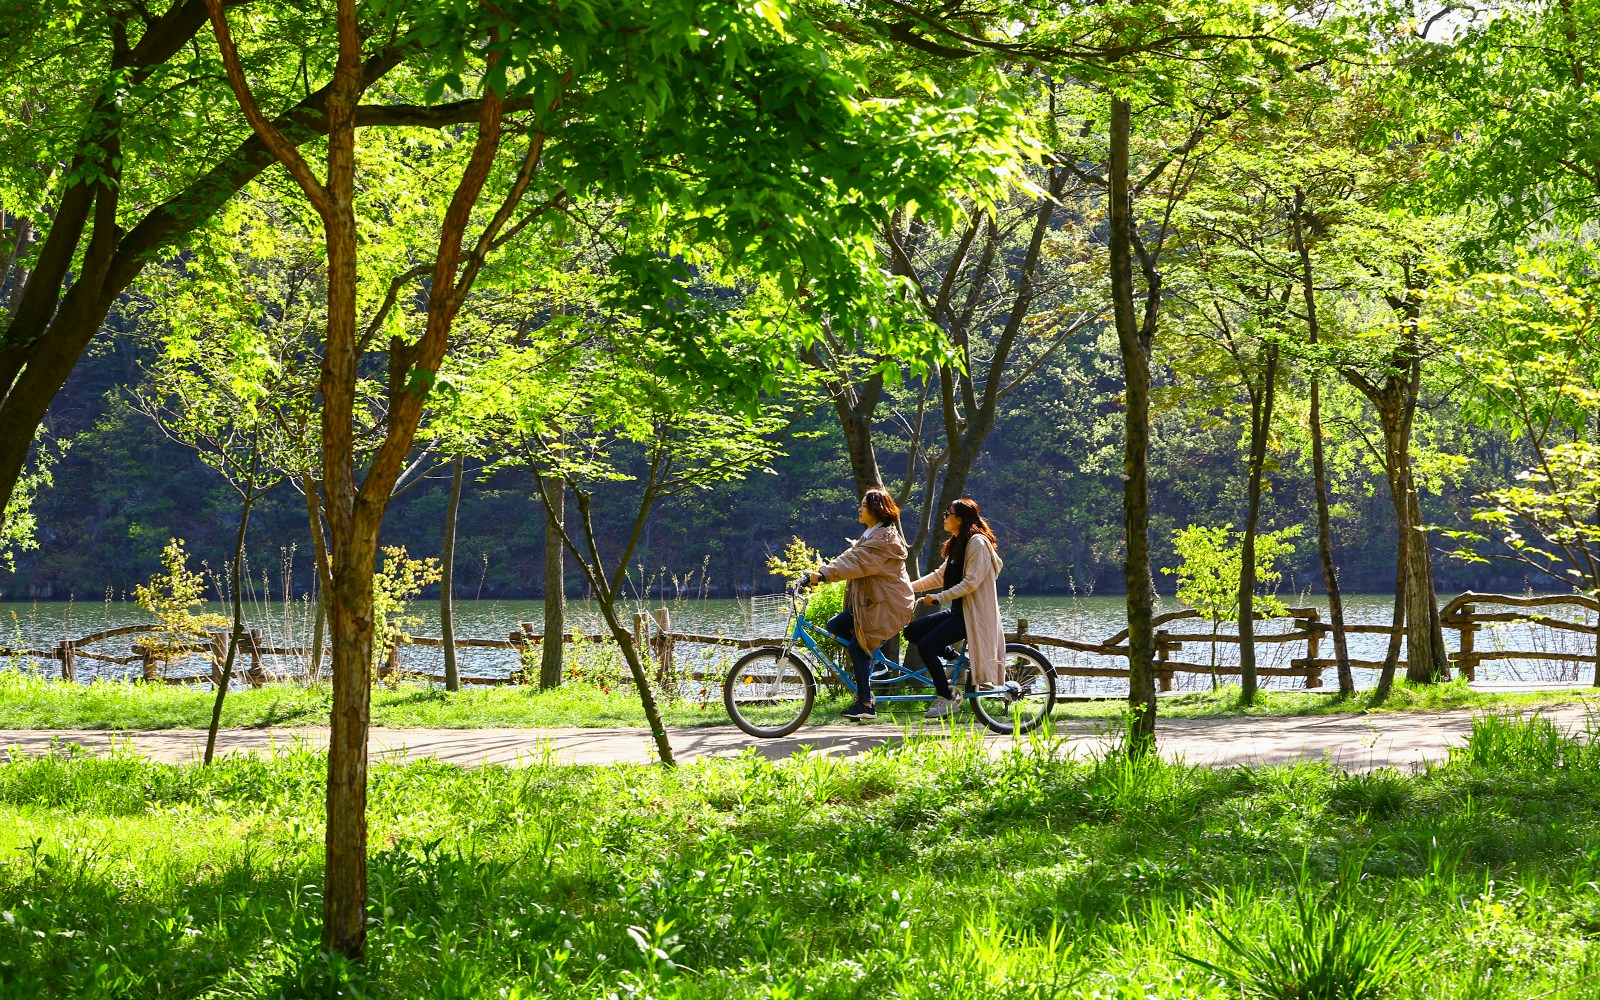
1404, 698
27, 702
924, 871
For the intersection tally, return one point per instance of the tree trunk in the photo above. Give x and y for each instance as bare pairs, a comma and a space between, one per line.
354, 519
605, 591
1330, 574
1427, 658
641, 679
924, 525
355, 508
1261, 404
319, 636
19, 275
855, 405
236, 584
319, 551
1397, 624
447, 627
555, 592
855, 418
350, 619
1133, 343
961, 457
1319, 466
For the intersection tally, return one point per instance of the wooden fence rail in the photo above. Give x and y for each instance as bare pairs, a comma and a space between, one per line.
1460, 615
653, 635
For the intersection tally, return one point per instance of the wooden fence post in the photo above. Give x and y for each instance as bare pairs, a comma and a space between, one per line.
147, 663
664, 647
1312, 625
1022, 628
1163, 655
519, 642
1465, 661
255, 675
219, 654
391, 661
641, 633
69, 661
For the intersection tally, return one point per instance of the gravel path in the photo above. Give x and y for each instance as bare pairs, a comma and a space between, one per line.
1355, 742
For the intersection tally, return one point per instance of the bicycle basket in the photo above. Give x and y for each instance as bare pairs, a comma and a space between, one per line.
769, 614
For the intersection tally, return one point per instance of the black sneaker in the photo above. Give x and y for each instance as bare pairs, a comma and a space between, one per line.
859, 713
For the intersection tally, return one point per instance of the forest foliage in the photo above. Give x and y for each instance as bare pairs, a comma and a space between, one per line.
715, 269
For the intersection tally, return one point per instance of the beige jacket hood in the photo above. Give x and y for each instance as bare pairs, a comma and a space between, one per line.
880, 588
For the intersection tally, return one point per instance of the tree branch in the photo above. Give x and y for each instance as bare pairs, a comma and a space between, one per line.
286, 152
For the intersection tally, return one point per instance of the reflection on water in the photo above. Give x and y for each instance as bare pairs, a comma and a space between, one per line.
43, 624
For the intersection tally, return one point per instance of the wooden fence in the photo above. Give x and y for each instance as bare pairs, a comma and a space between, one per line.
1462, 616
1465, 616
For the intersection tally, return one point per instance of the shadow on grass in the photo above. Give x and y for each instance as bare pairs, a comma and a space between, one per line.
740, 870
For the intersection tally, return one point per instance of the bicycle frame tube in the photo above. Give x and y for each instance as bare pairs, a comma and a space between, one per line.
806, 633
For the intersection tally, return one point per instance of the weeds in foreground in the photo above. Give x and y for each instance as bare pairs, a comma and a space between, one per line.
928, 870
1327, 946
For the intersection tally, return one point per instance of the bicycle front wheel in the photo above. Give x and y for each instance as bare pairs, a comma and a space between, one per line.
1029, 695
769, 692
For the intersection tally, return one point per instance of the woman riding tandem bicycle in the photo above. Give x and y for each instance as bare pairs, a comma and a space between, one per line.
968, 578
771, 690
878, 602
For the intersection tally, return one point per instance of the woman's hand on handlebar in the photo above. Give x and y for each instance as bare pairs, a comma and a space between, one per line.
930, 600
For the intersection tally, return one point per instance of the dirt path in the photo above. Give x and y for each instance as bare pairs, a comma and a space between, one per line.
1356, 742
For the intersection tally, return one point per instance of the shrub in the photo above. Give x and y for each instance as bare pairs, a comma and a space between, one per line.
172, 597
1327, 948
798, 559
1380, 794
398, 581
1518, 742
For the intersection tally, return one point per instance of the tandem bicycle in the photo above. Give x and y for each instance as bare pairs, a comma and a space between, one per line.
771, 690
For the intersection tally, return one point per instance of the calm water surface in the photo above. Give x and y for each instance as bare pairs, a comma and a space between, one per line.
43, 624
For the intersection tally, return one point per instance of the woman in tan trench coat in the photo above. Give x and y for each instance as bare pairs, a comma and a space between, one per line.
968, 579
878, 603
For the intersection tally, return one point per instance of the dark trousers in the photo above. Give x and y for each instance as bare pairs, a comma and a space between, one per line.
844, 624
932, 634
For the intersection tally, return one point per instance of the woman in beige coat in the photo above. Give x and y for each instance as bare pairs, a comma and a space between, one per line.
968, 579
878, 603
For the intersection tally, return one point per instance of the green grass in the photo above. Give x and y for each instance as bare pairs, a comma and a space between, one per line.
27, 702
30, 703
1403, 698
922, 871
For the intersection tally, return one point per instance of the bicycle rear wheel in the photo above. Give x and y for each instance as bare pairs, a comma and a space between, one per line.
769, 693
1029, 697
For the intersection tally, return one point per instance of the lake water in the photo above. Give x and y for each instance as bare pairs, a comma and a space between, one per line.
1094, 619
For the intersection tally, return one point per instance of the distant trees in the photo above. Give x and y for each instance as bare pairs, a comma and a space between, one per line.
945, 195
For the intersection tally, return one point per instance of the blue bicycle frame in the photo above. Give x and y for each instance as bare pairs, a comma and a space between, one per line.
808, 634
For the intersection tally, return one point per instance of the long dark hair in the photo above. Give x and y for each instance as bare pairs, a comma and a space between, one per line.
972, 523
882, 506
